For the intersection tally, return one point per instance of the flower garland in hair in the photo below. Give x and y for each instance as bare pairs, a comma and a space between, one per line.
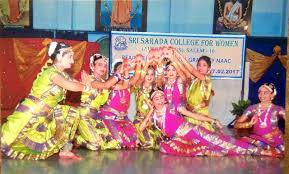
92, 60
156, 93
91, 63
270, 87
51, 49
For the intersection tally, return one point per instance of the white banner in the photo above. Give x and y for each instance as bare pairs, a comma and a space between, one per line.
227, 52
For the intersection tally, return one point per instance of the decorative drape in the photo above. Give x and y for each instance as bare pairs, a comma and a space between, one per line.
22, 59
259, 63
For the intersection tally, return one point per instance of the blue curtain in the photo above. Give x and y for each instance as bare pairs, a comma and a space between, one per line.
276, 73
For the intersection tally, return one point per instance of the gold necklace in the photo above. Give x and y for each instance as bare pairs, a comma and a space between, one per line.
161, 111
147, 90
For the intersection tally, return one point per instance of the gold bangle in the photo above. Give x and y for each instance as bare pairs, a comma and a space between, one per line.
243, 125
86, 88
214, 121
246, 125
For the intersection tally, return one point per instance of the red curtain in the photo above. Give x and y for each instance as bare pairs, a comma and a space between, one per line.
22, 59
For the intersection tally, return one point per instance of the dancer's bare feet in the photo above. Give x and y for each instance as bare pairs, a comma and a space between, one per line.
68, 155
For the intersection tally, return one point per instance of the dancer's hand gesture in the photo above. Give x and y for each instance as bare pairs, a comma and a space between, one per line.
219, 125
85, 78
253, 121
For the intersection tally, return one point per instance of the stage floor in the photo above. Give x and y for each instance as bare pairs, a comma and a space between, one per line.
144, 162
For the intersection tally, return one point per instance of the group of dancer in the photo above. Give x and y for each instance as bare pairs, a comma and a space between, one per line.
172, 99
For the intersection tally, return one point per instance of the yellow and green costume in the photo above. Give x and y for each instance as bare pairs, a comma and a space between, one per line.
198, 98
150, 137
39, 127
92, 133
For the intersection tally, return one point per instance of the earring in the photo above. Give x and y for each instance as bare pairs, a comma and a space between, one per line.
209, 71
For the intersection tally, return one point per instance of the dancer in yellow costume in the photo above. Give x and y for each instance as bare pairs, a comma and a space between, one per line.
40, 126
91, 133
200, 91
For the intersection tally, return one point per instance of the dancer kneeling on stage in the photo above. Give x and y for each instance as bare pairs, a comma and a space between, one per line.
186, 139
40, 126
263, 117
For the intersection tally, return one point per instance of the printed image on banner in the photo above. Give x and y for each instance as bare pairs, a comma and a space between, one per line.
226, 51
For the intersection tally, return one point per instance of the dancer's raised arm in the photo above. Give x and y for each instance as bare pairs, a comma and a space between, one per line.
189, 66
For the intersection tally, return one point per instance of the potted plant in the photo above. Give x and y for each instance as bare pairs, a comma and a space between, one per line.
240, 107
238, 110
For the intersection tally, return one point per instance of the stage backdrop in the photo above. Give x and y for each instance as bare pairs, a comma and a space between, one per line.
226, 51
22, 59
